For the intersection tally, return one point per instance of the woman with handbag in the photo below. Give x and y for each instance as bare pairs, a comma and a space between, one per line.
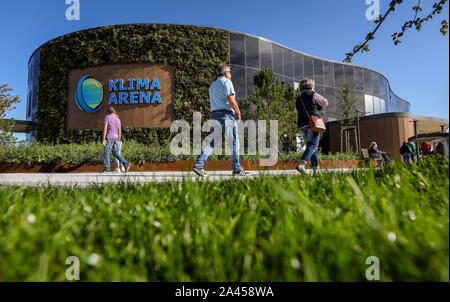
309, 107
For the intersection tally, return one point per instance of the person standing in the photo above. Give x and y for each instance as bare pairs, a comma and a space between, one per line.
406, 152
313, 103
112, 135
426, 148
413, 152
225, 110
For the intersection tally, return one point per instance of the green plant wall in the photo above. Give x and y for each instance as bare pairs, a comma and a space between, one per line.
193, 51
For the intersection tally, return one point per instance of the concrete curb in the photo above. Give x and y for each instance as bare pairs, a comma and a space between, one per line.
83, 180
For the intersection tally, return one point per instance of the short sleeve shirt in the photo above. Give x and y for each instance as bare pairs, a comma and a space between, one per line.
219, 92
112, 131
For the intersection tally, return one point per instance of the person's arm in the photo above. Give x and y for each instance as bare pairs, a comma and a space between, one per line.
233, 104
318, 99
105, 127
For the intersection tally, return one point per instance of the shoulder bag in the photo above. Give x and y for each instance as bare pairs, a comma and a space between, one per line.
316, 123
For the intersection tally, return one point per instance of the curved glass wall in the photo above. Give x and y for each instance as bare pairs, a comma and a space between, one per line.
33, 87
248, 54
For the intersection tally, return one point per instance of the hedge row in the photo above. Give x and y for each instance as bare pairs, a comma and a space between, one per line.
132, 151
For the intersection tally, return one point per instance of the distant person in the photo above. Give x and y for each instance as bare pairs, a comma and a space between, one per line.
440, 149
406, 152
426, 148
414, 152
225, 110
374, 152
117, 164
112, 135
313, 103
433, 147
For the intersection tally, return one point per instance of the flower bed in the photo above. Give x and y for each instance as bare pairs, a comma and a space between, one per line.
66, 158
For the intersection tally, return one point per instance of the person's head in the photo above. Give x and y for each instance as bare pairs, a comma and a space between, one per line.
307, 84
224, 70
405, 144
373, 145
111, 110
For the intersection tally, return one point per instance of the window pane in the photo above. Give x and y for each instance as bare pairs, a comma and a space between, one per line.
288, 63
382, 106
265, 49
368, 99
328, 73
379, 86
349, 76
289, 81
250, 72
277, 53
331, 109
308, 67
360, 103
318, 71
238, 79
252, 52
237, 55
298, 66
339, 75
359, 79
368, 85
320, 89
337, 94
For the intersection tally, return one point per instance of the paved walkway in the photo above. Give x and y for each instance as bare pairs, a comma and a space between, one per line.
93, 179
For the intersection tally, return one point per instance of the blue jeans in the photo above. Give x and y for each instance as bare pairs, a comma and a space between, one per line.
386, 159
112, 146
312, 147
406, 157
230, 130
116, 161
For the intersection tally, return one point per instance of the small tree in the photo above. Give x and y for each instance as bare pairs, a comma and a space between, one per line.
346, 101
6, 104
271, 99
346, 114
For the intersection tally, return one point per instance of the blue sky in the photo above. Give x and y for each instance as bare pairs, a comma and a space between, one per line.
417, 69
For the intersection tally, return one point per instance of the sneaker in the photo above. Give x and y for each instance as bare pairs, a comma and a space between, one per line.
300, 169
241, 173
127, 167
105, 172
200, 172
122, 169
117, 170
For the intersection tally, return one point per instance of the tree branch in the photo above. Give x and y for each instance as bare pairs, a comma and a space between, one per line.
417, 22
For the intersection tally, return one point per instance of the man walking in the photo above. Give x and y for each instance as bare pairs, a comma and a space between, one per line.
112, 135
225, 110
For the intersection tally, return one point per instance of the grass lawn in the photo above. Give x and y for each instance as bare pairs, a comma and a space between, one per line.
312, 228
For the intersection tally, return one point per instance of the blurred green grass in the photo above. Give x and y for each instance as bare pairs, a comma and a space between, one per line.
287, 228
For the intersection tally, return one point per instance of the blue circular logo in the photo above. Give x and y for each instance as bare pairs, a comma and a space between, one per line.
89, 94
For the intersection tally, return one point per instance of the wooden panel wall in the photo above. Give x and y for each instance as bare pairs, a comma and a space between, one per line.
389, 133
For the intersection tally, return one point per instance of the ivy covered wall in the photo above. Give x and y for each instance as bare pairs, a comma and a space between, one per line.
193, 51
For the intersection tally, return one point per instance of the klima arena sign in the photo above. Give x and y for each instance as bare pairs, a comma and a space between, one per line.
142, 95
89, 94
